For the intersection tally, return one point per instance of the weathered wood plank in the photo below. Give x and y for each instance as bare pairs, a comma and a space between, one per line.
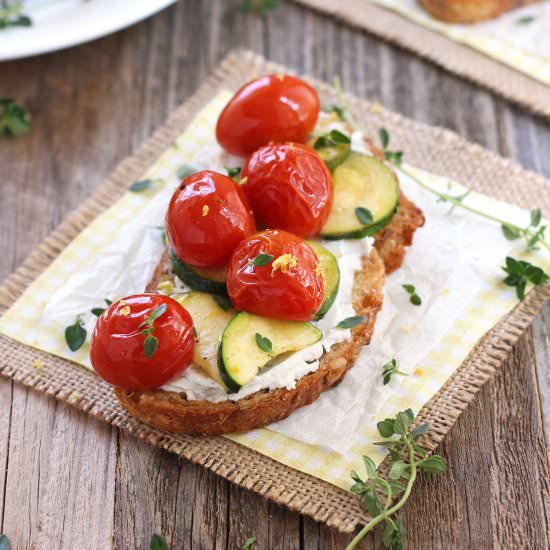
541, 340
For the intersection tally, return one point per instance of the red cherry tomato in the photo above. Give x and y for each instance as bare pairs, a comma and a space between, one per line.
207, 217
289, 187
270, 108
118, 352
289, 286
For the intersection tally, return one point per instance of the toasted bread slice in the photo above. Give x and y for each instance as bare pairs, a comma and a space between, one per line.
171, 411
471, 11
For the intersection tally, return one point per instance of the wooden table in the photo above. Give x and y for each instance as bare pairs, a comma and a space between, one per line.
70, 482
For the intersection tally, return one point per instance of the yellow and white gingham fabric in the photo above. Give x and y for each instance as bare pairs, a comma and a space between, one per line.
477, 37
23, 320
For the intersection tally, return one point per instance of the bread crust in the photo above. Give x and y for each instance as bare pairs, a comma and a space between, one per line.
471, 11
172, 412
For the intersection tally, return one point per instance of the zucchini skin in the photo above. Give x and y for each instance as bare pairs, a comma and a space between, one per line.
194, 281
230, 384
362, 233
330, 294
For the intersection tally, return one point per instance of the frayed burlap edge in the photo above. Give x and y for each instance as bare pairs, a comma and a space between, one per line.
452, 56
430, 148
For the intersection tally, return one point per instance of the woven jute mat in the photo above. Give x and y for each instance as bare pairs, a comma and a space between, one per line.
452, 56
434, 149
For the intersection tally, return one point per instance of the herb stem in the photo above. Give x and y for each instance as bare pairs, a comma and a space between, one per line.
458, 202
384, 515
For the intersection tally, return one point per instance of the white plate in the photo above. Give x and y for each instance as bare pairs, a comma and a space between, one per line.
59, 24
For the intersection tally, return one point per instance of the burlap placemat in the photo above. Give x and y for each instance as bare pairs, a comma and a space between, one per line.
433, 149
452, 56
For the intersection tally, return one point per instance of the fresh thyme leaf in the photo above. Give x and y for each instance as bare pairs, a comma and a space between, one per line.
536, 217
350, 322
260, 6
536, 238
525, 20
364, 215
384, 138
184, 171
15, 120
233, 173
261, 260
421, 429
264, 343
141, 185
4, 543
222, 301
11, 16
75, 335
389, 369
157, 312
248, 543
97, 311
158, 543
414, 298
150, 345
521, 273
334, 137
108, 302
341, 112
402, 473
511, 233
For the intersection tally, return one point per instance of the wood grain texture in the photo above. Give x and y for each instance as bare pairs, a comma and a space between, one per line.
69, 482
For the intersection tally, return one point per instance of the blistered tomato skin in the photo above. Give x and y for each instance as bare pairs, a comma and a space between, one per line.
208, 216
269, 108
289, 187
290, 287
117, 350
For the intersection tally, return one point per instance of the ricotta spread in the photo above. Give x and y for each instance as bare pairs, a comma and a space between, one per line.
199, 386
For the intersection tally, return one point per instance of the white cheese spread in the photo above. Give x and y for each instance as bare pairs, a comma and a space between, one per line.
199, 386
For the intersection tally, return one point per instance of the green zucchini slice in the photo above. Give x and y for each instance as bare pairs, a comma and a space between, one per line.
331, 275
240, 357
209, 320
335, 155
361, 182
203, 280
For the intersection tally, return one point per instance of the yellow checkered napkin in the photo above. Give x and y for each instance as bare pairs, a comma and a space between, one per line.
480, 38
23, 321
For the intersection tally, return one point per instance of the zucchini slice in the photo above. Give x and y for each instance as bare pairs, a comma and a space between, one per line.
209, 320
361, 182
201, 279
331, 275
335, 155
240, 358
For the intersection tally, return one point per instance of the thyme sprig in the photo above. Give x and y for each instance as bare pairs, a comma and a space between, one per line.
528, 233
389, 369
333, 138
151, 342
414, 298
533, 234
11, 15
377, 494
396, 157
15, 120
521, 273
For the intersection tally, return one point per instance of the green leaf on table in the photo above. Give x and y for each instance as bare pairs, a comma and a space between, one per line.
141, 185
350, 322
158, 543
15, 120
248, 543
75, 335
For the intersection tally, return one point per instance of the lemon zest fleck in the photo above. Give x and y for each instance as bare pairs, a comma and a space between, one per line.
318, 270
38, 364
283, 263
205, 210
280, 76
166, 286
418, 372
375, 108
125, 311
244, 180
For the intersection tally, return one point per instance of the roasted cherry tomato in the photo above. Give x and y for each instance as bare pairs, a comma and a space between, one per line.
270, 108
207, 217
120, 354
289, 187
276, 274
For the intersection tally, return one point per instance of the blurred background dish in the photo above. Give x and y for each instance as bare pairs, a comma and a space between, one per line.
58, 24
